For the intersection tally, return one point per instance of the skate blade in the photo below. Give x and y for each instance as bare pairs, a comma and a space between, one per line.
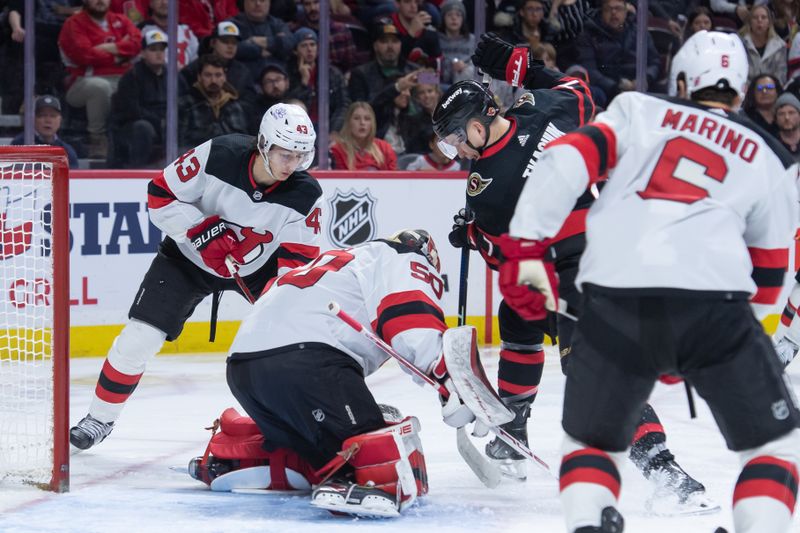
357, 510
512, 469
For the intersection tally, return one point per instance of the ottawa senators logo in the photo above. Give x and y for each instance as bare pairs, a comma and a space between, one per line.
476, 184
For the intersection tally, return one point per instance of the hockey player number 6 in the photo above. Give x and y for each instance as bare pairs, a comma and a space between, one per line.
682, 164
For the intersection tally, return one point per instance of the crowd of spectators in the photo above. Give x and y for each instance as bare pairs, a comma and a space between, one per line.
101, 66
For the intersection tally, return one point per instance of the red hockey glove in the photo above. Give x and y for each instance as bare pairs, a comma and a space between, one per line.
214, 240
503, 61
528, 283
454, 412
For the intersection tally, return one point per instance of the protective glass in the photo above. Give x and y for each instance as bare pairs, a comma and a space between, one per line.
449, 144
299, 160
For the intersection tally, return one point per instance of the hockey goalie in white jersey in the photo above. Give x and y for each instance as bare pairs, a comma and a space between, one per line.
298, 371
692, 228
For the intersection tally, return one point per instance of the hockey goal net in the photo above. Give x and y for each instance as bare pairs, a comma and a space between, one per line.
34, 317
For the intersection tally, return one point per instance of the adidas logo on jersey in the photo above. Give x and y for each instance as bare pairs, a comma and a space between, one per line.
523, 139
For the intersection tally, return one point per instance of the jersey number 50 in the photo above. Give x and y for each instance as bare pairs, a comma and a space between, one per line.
682, 164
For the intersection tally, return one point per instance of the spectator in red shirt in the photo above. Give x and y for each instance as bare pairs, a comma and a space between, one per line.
357, 147
97, 47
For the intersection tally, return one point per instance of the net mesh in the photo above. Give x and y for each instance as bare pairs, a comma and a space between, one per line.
26, 321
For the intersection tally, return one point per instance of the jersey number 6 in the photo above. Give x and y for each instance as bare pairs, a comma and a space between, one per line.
682, 164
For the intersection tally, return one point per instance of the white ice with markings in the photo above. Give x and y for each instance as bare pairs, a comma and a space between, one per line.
125, 483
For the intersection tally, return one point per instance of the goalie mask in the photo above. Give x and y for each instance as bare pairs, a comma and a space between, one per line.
287, 126
422, 243
462, 102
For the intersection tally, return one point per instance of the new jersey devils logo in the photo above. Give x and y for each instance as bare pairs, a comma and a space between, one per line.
251, 242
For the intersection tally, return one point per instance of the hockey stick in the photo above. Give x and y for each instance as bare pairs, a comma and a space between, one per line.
480, 465
233, 268
335, 309
487, 473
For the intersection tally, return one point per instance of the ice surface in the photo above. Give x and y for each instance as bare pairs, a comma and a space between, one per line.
125, 484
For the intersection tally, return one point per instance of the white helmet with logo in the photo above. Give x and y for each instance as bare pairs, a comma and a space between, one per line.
287, 126
710, 59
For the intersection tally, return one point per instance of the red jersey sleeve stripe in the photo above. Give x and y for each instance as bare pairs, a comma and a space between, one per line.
769, 257
159, 193
406, 310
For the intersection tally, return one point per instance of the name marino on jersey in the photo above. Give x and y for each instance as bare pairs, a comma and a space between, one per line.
719, 133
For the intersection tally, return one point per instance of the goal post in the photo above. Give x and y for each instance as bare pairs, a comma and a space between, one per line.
34, 316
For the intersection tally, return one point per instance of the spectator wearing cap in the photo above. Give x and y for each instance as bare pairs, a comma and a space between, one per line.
457, 43
224, 43
420, 42
211, 107
139, 107
787, 117
187, 46
303, 68
274, 83
381, 80
263, 35
46, 124
341, 49
98, 47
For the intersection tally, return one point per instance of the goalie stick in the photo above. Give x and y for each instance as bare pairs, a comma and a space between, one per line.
489, 474
233, 268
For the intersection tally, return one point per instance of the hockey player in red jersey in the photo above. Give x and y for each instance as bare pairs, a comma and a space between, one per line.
236, 195
299, 372
505, 151
695, 220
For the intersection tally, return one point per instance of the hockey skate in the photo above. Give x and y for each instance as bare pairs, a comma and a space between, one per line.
349, 498
611, 522
677, 493
89, 432
512, 464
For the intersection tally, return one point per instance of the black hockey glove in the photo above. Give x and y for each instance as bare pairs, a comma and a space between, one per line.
463, 233
503, 61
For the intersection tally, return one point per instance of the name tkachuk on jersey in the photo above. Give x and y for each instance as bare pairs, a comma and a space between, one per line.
703, 178
279, 224
381, 283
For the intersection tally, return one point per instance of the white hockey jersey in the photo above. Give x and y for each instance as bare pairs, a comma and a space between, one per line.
697, 198
279, 226
386, 286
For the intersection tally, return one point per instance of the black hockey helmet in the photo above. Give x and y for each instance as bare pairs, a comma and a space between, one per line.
463, 101
421, 242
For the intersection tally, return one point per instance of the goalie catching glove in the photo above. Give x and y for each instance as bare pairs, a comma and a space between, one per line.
504, 61
215, 241
527, 281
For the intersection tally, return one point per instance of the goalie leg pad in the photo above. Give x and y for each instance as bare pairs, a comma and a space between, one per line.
388, 461
235, 459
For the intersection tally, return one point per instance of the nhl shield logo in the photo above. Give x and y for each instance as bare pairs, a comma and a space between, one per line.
318, 415
780, 410
353, 220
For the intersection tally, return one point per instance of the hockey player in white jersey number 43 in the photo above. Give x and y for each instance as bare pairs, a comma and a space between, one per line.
299, 371
235, 195
695, 220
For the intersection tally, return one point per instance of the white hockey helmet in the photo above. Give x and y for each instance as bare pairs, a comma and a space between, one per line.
421, 242
710, 59
287, 126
